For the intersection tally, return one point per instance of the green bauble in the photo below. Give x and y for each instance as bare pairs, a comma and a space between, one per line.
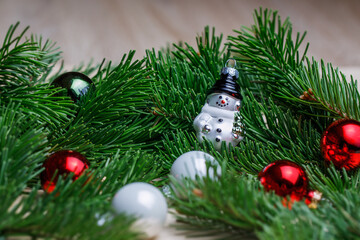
77, 84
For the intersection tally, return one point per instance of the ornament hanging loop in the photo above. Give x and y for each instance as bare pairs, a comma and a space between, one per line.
227, 64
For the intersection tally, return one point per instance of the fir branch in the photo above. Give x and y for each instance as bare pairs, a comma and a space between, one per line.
123, 89
23, 65
76, 205
268, 51
182, 79
176, 144
232, 205
345, 214
175, 86
179, 142
56, 217
122, 169
41, 102
211, 52
50, 56
90, 69
330, 89
22, 61
330, 180
113, 114
23, 145
273, 133
332, 220
237, 206
300, 223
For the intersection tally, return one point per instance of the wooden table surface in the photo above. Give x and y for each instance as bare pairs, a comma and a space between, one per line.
94, 29
97, 29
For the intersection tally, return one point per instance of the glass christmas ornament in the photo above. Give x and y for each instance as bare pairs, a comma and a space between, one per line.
77, 84
143, 201
340, 144
216, 119
62, 163
312, 198
192, 164
285, 178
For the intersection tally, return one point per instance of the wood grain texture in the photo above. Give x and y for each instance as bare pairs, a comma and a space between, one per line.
86, 29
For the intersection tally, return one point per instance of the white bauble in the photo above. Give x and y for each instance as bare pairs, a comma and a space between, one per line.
142, 200
193, 163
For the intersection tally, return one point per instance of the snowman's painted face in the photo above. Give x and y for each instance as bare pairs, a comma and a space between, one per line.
223, 101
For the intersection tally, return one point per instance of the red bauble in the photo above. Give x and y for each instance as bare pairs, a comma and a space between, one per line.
286, 178
63, 163
340, 144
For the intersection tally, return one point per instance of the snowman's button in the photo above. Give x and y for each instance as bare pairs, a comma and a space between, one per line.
218, 130
217, 139
206, 129
220, 120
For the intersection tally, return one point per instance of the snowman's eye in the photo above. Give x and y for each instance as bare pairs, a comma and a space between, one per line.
220, 97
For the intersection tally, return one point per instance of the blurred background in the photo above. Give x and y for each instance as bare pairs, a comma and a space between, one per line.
97, 29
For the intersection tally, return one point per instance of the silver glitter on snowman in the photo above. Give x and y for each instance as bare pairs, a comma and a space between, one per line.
218, 120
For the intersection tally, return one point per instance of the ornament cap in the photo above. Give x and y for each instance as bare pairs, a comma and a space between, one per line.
227, 82
230, 70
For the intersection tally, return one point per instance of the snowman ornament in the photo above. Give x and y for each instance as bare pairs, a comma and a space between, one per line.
217, 121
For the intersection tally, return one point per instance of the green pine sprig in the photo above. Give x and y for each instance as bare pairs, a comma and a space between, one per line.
113, 115
182, 78
288, 103
269, 51
24, 62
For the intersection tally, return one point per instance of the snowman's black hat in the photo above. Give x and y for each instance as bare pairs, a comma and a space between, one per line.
227, 83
